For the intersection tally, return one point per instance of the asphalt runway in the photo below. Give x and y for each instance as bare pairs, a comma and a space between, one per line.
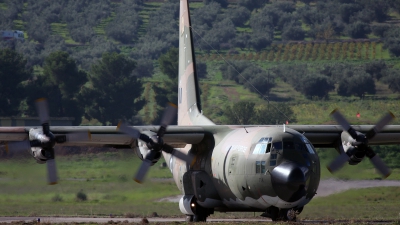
55, 220
106, 220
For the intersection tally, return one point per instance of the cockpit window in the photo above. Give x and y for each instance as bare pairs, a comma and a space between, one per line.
288, 145
264, 146
277, 145
310, 149
305, 140
260, 148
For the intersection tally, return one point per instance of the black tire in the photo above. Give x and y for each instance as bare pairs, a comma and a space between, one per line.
284, 215
274, 212
199, 218
189, 218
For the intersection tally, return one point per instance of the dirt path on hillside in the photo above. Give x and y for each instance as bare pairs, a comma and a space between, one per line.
329, 187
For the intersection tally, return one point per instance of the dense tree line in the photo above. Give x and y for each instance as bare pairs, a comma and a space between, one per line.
350, 80
110, 91
214, 23
249, 113
251, 76
215, 27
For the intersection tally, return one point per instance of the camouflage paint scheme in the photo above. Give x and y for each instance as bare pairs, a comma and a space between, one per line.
226, 175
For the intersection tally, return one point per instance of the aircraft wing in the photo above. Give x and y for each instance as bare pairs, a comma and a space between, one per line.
328, 135
109, 136
178, 136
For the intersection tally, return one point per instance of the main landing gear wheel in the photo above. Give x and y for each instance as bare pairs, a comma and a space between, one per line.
201, 213
288, 215
277, 214
189, 218
199, 218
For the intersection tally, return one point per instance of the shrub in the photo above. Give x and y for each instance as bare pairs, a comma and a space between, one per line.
81, 196
358, 30
57, 198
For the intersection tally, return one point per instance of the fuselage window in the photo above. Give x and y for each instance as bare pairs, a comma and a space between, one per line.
263, 166
260, 166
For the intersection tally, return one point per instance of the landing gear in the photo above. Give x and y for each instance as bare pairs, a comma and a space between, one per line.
277, 214
201, 213
189, 218
288, 215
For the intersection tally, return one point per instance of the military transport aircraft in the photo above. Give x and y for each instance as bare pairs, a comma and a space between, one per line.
270, 169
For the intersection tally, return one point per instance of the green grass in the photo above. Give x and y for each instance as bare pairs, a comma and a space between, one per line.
106, 180
62, 30
100, 29
19, 25
370, 111
3, 6
366, 204
145, 14
104, 177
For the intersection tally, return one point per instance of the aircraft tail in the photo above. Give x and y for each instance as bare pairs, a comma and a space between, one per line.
189, 104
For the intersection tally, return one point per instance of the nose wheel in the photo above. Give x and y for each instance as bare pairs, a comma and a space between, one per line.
277, 214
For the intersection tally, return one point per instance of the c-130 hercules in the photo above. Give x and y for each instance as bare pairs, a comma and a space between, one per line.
269, 169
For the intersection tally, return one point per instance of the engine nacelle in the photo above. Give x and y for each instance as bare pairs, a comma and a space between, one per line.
38, 154
356, 156
141, 150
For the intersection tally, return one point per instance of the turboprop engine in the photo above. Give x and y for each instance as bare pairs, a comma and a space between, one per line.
151, 145
355, 144
142, 149
356, 155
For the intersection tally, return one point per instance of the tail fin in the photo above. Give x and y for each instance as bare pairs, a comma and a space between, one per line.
189, 105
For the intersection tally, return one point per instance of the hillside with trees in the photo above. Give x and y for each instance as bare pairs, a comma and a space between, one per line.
102, 61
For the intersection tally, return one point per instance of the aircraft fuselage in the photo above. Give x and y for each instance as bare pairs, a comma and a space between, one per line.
250, 169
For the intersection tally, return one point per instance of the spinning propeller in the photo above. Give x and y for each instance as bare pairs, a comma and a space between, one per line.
155, 143
359, 144
45, 139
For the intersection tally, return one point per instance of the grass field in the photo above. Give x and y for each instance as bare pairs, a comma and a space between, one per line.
105, 179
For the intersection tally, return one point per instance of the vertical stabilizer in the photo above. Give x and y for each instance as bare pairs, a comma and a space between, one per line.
189, 105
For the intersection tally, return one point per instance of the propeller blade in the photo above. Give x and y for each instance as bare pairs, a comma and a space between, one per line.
380, 166
132, 132
169, 114
184, 157
43, 110
168, 117
51, 171
128, 130
178, 154
17, 146
380, 125
378, 163
141, 173
338, 163
344, 123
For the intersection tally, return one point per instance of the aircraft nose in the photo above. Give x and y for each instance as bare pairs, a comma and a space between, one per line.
289, 181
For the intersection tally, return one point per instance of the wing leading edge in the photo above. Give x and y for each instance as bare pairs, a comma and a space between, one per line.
318, 135
109, 136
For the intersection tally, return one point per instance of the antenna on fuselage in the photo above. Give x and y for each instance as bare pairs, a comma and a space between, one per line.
284, 128
245, 129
